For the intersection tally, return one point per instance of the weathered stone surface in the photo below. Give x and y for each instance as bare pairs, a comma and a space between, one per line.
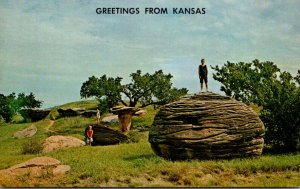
76, 112
36, 167
104, 135
60, 142
125, 116
61, 169
206, 126
110, 119
25, 133
140, 113
34, 114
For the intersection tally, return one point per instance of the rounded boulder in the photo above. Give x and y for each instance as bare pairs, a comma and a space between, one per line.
206, 126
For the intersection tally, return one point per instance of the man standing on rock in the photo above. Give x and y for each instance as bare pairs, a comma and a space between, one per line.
203, 72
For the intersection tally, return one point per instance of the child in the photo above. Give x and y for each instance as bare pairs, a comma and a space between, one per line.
89, 134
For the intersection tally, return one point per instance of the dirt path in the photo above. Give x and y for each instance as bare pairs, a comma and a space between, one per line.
50, 125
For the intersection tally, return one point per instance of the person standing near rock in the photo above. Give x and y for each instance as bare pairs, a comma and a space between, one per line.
89, 135
98, 116
203, 72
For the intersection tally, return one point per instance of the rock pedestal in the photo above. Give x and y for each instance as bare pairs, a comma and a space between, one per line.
206, 126
125, 116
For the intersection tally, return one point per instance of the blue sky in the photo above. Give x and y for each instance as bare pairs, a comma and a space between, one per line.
51, 47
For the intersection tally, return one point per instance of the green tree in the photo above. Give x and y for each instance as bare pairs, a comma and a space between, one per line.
147, 89
277, 92
11, 104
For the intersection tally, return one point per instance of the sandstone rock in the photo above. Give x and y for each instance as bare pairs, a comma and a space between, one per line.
25, 133
140, 113
34, 114
60, 142
104, 135
125, 116
36, 167
71, 112
61, 169
110, 119
206, 126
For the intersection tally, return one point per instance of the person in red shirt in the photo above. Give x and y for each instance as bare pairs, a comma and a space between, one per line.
89, 134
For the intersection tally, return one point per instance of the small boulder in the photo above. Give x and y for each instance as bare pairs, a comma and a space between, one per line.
140, 113
110, 119
36, 167
25, 133
61, 169
53, 143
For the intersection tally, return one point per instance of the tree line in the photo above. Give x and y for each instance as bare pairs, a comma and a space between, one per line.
276, 92
11, 104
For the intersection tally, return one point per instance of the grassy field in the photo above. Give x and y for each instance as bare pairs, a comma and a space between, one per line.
135, 164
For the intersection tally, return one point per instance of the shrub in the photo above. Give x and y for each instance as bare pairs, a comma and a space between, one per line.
32, 146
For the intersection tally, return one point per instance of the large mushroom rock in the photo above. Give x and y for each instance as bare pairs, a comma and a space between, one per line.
71, 112
206, 126
104, 135
125, 116
36, 167
34, 114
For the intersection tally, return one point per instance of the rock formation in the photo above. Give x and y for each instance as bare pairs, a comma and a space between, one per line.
60, 142
206, 126
25, 133
36, 167
71, 112
110, 119
125, 116
34, 114
107, 136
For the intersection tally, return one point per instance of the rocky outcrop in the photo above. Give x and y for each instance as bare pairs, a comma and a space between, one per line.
104, 135
53, 143
36, 167
25, 133
206, 126
34, 114
76, 112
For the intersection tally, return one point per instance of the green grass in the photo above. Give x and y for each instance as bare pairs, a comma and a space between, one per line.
87, 104
145, 120
135, 164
